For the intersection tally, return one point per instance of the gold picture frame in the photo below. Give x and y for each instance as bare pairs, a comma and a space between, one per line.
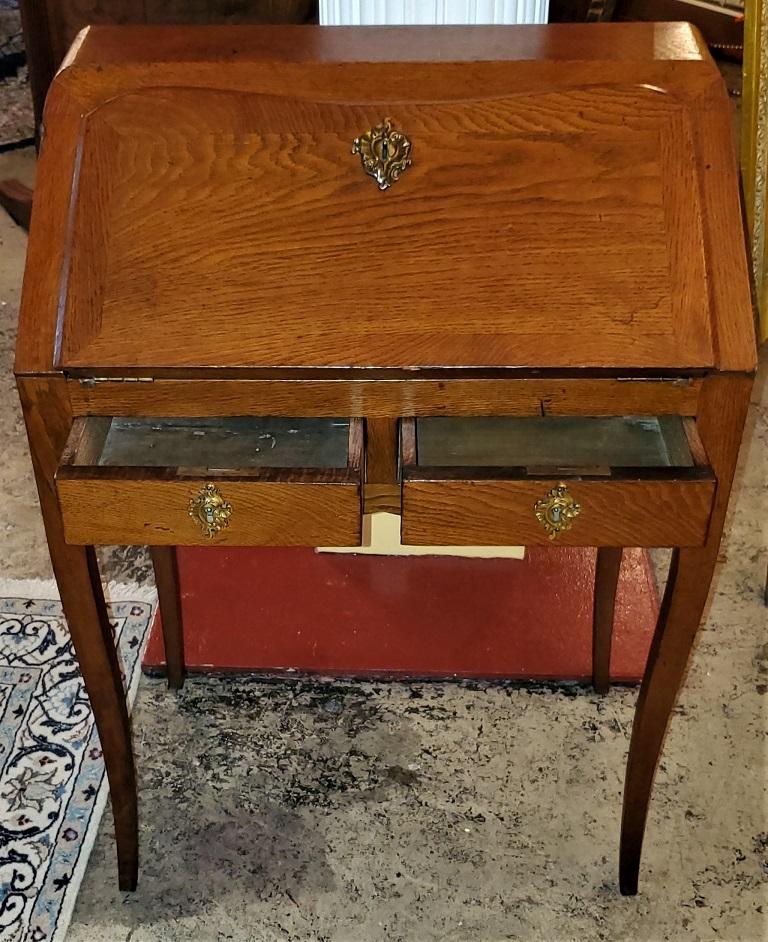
754, 149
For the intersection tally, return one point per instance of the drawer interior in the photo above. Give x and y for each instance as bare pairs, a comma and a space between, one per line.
216, 445
560, 444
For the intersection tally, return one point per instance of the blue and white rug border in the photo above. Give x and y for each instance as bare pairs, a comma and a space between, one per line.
47, 590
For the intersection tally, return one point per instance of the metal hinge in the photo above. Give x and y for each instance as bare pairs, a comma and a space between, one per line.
93, 380
681, 380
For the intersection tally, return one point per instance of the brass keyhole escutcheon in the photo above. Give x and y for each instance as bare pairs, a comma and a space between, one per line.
556, 511
384, 153
209, 508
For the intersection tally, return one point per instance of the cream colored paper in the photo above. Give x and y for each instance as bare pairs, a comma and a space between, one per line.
381, 537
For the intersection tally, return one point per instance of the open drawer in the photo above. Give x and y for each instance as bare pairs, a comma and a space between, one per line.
577, 481
238, 481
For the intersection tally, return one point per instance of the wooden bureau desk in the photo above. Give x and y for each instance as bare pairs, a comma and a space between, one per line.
491, 279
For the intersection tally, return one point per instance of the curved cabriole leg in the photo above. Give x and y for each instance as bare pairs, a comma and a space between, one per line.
103, 681
169, 601
48, 420
686, 593
606, 580
722, 409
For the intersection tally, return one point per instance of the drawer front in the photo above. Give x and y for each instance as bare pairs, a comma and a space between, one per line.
577, 481
236, 481
610, 512
159, 512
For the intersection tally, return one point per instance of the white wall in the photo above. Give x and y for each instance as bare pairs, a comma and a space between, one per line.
423, 12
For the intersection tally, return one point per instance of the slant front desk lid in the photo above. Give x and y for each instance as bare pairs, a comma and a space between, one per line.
548, 197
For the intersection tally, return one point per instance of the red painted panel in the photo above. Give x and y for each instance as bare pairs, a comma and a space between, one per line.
274, 609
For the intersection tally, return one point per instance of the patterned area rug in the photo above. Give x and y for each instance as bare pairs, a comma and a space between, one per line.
52, 783
16, 118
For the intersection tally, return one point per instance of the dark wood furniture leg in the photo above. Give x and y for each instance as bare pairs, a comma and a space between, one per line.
16, 200
722, 409
46, 412
765, 590
606, 580
169, 600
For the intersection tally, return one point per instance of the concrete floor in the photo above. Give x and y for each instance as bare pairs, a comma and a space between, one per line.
367, 812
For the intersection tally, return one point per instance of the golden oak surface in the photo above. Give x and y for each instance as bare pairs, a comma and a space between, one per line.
552, 215
566, 242
239, 230
613, 513
154, 512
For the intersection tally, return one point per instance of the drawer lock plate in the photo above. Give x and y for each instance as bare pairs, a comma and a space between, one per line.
384, 153
556, 511
209, 508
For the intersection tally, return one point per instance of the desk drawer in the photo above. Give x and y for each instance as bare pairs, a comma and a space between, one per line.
236, 481
612, 481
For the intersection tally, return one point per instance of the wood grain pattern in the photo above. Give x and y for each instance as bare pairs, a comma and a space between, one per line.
47, 245
535, 112
382, 398
381, 451
409, 455
694, 442
381, 491
613, 513
461, 243
379, 498
729, 279
617, 43
149, 511
356, 447
86, 440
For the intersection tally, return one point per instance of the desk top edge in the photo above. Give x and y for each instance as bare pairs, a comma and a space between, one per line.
123, 45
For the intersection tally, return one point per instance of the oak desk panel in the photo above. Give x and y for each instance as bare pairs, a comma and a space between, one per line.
476, 227
239, 230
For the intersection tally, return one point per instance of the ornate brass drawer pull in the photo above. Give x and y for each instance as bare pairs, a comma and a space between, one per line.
210, 510
556, 511
384, 153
